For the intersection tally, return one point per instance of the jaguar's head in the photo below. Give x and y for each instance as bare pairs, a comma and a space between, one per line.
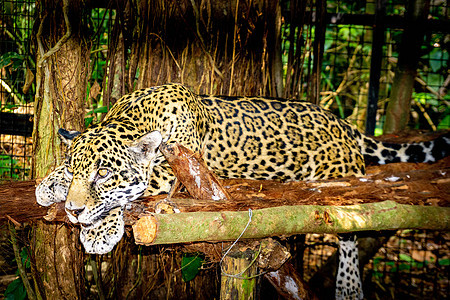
106, 171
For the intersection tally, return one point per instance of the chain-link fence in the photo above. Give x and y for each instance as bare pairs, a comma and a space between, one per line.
16, 88
361, 43
411, 264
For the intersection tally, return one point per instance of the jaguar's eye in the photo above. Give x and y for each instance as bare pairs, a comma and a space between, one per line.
102, 173
69, 171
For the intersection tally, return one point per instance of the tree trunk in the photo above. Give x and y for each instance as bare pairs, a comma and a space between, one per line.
397, 113
239, 274
61, 77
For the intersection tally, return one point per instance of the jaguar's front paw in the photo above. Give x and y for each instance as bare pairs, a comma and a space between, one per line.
53, 188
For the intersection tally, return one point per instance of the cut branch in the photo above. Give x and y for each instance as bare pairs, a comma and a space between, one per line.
290, 220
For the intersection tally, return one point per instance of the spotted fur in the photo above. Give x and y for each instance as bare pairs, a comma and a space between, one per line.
116, 161
53, 189
348, 280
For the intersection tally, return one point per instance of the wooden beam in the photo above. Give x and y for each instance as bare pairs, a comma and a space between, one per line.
404, 183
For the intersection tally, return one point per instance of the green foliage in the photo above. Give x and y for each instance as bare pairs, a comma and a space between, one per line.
24, 256
347, 6
16, 30
13, 59
437, 58
9, 108
14, 62
9, 168
99, 70
433, 110
16, 289
405, 263
191, 264
431, 101
88, 119
21, 15
445, 122
445, 262
341, 43
345, 42
100, 22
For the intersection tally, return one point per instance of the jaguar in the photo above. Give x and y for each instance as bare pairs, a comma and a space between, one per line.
117, 160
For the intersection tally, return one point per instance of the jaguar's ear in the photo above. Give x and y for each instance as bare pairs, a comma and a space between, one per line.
67, 136
145, 148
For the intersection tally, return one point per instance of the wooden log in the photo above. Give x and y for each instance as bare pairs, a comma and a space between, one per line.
289, 283
404, 183
290, 220
191, 170
18, 201
273, 260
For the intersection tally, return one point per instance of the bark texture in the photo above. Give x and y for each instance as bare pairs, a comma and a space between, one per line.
61, 78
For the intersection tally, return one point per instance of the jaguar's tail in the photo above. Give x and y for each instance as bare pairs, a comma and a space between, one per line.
384, 153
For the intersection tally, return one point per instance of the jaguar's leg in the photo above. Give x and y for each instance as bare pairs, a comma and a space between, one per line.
348, 279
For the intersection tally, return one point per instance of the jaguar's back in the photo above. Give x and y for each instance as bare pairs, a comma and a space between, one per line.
264, 138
